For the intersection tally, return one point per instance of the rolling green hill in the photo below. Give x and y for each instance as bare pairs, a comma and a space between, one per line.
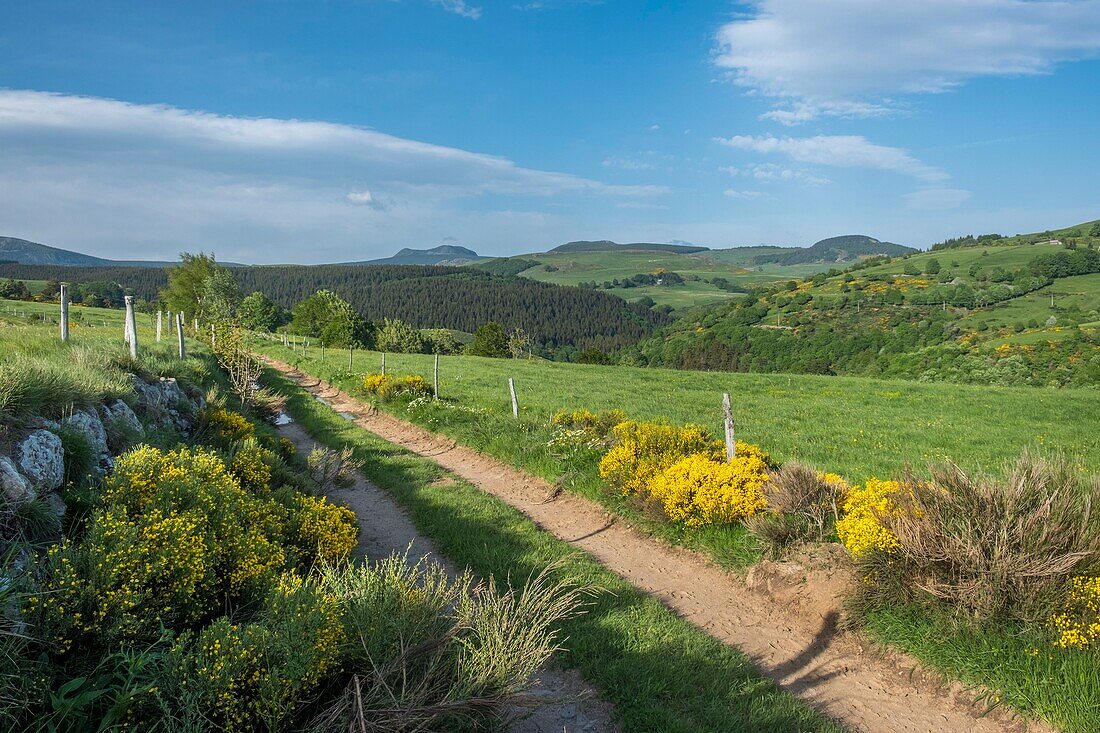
848, 248
606, 245
980, 310
706, 276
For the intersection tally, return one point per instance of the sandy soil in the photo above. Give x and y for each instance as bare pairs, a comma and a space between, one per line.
782, 615
565, 703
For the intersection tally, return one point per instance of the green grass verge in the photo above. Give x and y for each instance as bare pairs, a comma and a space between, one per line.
660, 672
857, 427
1061, 686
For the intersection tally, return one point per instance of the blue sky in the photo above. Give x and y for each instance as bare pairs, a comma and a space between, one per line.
332, 131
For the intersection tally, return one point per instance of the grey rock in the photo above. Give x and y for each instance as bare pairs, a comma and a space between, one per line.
91, 427
57, 504
118, 412
164, 402
41, 458
14, 487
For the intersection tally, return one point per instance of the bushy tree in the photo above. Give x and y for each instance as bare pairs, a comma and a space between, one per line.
220, 296
187, 283
328, 317
490, 340
398, 337
932, 267
440, 341
259, 313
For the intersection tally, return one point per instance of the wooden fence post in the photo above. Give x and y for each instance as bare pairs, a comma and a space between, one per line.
64, 311
515, 402
322, 352
731, 441
179, 334
131, 326
383, 363
213, 335
351, 356
435, 378
160, 324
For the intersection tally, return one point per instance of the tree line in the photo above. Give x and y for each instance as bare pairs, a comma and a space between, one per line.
559, 319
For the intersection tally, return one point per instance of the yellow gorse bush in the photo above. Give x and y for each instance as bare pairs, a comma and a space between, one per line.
860, 529
698, 490
385, 386
249, 465
320, 530
250, 676
642, 450
227, 425
178, 535
685, 469
1078, 626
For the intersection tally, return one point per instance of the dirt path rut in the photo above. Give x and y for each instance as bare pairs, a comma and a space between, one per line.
567, 704
792, 641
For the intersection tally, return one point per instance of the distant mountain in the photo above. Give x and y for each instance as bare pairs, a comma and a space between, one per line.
444, 254
605, 245
847, 248
24, 252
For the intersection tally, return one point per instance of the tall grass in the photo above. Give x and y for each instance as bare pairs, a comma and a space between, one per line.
40, 375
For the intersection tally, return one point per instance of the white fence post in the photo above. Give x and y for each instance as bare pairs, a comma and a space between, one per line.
64, 311
179, 335
515, 402
731, 441
131, 326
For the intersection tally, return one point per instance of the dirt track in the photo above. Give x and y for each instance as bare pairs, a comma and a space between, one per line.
783, 618
568, 705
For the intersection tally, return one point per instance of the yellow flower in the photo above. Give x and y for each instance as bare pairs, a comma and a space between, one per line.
861, 529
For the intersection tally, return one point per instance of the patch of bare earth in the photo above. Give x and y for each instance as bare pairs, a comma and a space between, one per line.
783, 616
564, 701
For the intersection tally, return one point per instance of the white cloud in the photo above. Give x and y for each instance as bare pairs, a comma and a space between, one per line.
937, 199
366, 198
735, 194
847, 58
459, 7
628, 164
773, 172
843, 151
140, 181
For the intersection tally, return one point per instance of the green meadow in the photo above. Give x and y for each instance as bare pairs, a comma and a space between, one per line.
854, 426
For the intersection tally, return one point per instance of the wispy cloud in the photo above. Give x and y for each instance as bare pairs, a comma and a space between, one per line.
852, 58
84, 171
459, 7
843, 151
773, 172
735, 194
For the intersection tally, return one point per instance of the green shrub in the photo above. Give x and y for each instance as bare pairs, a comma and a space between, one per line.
252, 676
993, 548
427, 653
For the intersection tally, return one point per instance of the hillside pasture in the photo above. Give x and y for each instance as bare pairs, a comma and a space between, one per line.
854, 426
573, 268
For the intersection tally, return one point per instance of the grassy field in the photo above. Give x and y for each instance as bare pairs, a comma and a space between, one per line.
1080, 292
577, 267
857, 427
661, 673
